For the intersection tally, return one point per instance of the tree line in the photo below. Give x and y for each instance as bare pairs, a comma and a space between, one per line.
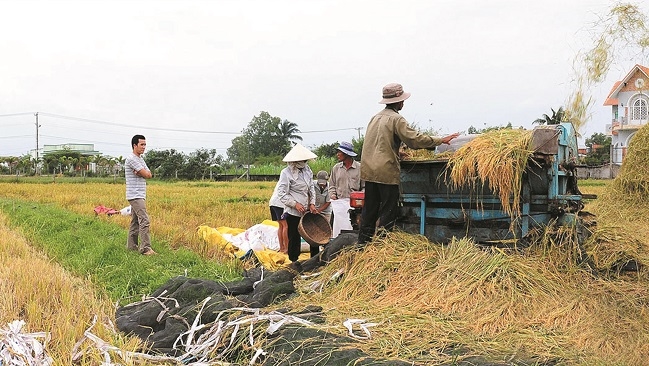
264, 141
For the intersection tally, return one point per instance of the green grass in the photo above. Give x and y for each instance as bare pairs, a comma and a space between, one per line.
93, 248
593, 182
270, 169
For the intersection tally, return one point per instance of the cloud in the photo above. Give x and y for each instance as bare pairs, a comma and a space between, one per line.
212, 66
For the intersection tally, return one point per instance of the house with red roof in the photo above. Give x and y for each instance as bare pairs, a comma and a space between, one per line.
629, 101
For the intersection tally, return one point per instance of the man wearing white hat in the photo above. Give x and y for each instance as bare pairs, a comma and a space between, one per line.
345, 178
380, 168
296, 191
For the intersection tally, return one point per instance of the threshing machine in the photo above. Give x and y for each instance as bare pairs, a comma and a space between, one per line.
549, 193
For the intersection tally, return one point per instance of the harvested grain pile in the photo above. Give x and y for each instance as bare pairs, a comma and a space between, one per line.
633, 179
497, 158
623, 223
409, 154
437, 304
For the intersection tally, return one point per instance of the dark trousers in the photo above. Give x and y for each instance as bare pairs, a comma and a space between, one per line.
314, 250
294, 239
381, 203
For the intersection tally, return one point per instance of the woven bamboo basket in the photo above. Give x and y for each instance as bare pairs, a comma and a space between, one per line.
314, 229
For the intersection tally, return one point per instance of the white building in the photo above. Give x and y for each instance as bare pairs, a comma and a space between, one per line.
629, 101
83, 149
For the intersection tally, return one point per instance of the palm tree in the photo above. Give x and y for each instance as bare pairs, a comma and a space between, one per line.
72, 162
120, 163
558, 116
24, 163
288, 131
13, 161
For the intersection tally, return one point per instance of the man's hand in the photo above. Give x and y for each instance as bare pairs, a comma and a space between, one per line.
447, 139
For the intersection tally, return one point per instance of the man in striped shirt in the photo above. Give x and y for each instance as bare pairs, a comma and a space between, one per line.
137, 172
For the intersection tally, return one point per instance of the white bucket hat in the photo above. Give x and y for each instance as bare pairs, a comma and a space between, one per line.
299, 153
393, 93
346, 148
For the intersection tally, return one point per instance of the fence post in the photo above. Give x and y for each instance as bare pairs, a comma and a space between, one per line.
610, 162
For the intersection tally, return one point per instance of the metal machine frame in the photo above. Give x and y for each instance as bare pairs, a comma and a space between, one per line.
549, 192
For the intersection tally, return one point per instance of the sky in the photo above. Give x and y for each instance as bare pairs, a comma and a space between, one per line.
192, 74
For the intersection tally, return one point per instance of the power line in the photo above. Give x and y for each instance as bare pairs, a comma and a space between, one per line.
16, 136
115, 144
195, 142
84, 140
333, 130
131, 126
113, 132
162, 128
14, 124
15, 114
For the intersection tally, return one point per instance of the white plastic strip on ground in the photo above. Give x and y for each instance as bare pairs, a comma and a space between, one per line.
362, 323
199, 351
318, 285
22, 349
106, 348
202, 348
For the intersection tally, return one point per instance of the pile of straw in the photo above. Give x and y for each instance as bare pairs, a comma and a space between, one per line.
544, 304
622, 212
496, 158
437, 304
633, 179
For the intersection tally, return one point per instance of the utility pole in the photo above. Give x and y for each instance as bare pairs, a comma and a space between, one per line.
37, 126
359, 131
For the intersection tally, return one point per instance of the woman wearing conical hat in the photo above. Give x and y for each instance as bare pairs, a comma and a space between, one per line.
296, 191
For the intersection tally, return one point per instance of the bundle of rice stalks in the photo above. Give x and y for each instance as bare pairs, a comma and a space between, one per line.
437, 304
497, 158
613, 247
634, 175
578, 105
620, 237
622, 212
560, 245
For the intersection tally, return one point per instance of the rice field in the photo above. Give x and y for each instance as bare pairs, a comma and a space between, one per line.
41, 293
49, 299
176, 209
431, 303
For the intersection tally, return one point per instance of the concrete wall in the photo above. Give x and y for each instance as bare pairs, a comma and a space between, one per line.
599, 172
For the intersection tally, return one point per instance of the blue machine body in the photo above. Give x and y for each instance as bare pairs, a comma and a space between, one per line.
549, 194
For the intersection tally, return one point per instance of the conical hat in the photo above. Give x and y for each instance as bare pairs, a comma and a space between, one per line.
299, 153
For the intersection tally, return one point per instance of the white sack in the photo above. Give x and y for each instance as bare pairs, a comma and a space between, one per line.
340, 209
